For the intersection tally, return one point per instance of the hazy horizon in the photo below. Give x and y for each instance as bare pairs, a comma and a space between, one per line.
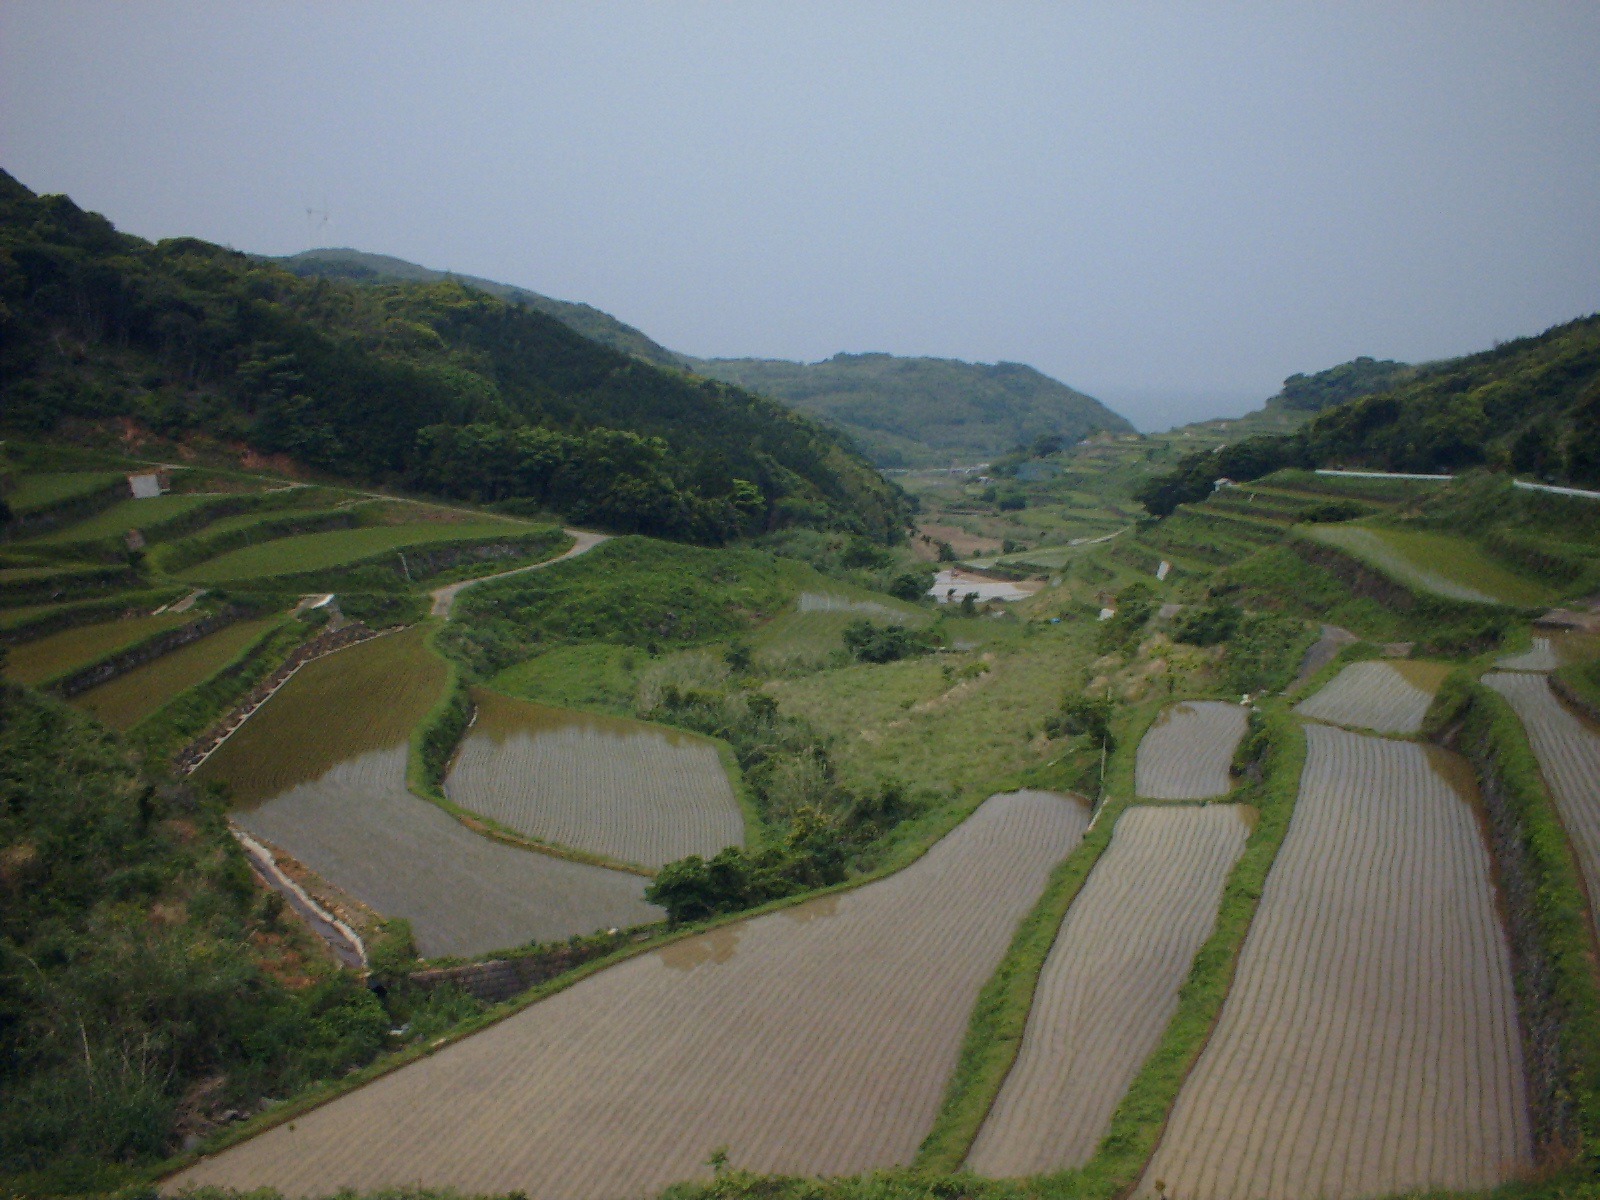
1169, 207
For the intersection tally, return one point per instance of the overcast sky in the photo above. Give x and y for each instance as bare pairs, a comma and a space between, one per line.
1169, 206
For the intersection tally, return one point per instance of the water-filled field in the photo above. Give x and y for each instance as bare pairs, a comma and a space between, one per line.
1568, 750
1389, 697
320, 772
335, 548
1110, 985
1188, 752
1369, 1044
57, 653
630, 791
813, 1040
130, 698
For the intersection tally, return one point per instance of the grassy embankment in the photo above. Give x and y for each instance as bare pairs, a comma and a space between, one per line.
1558, 988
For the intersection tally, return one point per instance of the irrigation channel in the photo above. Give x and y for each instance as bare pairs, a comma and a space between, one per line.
812, 1040
1369, 1044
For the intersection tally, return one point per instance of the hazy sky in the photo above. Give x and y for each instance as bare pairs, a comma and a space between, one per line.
1171, 206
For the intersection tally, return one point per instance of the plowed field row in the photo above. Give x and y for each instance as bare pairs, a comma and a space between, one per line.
1386, 697
624, 789
1110, 985
1188, 753
1370, 1042
815, 1040
1569, 756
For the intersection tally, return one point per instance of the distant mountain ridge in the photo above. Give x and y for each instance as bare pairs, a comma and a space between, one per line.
901, 412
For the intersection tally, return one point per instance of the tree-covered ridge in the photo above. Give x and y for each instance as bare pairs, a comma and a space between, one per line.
1530, 406
189, 339
1347, 381
925, 411
358, 266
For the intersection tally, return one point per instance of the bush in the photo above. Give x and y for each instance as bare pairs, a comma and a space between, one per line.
1208, 625
873, 643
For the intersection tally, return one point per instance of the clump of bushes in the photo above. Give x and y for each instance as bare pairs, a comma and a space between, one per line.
870, 642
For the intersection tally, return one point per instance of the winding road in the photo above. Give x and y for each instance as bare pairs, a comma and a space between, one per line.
444, 598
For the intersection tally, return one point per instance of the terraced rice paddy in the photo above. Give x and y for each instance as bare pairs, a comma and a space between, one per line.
320, 772
1110, 985
812, 1040
41, 489
1568, 750
335, 548
1369, 1044
57, 653
1541, 656
630, 791
128, 699
1435, 562
1188, 752
1388, 697
129, 514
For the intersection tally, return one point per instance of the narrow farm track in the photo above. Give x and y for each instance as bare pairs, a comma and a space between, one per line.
630, 791
814, 1040
444, 598
1188, 753
1568, 750
1110, 985
1370, 1043
1382, 696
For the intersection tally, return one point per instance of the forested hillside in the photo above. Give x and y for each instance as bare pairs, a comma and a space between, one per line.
1323, 389
925, 411
433, 385
1530, 406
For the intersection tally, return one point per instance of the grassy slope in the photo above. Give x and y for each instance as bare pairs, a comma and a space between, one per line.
57, 653
320, 551
1447, 565
42, 489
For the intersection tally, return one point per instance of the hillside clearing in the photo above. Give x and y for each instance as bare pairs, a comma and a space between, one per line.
1568, 750
1387, 697
1369, 1044
1446, 565
320, 772
1188, 753
1110, 985
630, 791
813, 1040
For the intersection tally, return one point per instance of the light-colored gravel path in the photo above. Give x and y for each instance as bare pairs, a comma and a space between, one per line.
1187, 754
1568, 750
1110, 985
1386, 697
444, 598
1369, 1045
814, 1040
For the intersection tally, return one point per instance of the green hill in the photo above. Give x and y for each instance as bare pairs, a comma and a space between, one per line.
907, 412
433, 385
1529, 406
1347, 381
357, 266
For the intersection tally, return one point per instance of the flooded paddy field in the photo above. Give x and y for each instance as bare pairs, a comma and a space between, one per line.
128, 699
1110, 985
1188, 752
1388, 697
634, 792
1369, 1044
320, 771
1568, 750
57, 653
813, 1040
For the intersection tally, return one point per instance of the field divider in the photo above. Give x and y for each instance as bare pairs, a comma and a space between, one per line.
434, 745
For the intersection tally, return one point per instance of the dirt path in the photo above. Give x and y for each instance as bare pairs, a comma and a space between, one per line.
444, 598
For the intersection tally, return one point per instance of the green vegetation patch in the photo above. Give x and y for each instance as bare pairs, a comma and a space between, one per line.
129, 514
58, 653
33, 491
1447, 565
129, 698
335, 548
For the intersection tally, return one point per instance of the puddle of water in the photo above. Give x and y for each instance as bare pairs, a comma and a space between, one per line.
823, 908
1425, 676
718, 946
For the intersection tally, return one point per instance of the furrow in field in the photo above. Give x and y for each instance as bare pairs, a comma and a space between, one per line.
1369, 1044
1568, 750
624, 789
1188, 752
814, 1040
1389, 697
1110, 986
